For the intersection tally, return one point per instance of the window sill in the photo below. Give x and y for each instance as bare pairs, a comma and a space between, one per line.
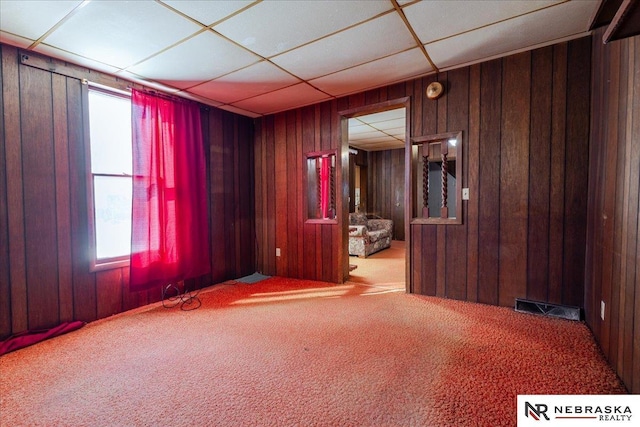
108, 265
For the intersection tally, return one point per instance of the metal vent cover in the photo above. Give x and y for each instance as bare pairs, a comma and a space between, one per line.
547, 309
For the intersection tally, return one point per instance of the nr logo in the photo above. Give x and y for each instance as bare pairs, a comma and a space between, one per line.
536, 411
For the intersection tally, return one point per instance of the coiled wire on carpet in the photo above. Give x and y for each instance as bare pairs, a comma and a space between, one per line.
172, 296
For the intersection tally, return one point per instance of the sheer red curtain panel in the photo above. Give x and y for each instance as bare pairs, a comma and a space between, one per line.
170, 226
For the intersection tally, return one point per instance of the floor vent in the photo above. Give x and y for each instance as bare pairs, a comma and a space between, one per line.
546, 309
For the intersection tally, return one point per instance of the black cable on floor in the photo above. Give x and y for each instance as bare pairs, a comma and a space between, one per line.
173, 296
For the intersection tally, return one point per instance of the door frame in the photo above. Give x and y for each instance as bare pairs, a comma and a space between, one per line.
345, 115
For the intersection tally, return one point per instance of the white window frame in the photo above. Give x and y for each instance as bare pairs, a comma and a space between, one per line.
99, 264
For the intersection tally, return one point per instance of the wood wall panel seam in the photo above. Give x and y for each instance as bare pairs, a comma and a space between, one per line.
579, 78
558, 166
539, 175
488, 181
619, 183
62, 202
611, 174
628, 268
5, 282
514, 176
473, 150
15, 204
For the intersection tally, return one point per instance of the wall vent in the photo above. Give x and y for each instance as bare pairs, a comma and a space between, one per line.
547, 309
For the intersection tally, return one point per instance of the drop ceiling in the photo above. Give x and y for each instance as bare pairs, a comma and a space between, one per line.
378, 131
262, 57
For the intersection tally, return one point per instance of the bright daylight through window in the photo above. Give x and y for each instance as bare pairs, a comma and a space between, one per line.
110, 136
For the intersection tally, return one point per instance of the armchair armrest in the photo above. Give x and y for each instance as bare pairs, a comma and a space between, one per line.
357, 231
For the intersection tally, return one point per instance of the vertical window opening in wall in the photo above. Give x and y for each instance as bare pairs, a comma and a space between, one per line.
110, 176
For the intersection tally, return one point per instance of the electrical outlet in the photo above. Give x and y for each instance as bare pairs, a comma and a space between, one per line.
465, 194
277, 251
602, 310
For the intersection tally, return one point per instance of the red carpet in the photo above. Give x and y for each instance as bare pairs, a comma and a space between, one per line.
384, 269
28, 338
285, 352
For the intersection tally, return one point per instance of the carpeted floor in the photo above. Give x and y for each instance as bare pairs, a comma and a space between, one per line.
284, 352
384, 269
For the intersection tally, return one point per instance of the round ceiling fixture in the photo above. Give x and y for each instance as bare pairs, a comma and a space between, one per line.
435, 90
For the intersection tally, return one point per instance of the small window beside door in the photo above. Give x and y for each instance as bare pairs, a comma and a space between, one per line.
321, 186
436, 171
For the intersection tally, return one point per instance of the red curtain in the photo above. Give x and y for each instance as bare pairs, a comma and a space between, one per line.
325, 192
170, 226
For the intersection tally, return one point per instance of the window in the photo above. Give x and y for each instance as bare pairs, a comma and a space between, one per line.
437, 179
321, 186
110, 178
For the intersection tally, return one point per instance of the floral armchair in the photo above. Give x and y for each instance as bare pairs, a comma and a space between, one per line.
367, 236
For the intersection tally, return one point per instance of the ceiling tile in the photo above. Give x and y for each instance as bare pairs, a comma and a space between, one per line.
240, 111
363, 136
384, 146
374, 135
273, 27
438, 19
395, 68
283, 99
32, 19
378, 131
398, 132
208, 12
358, 127
381, 138
512, 35
250, 81
121, 33
388, 124
377, 145
185, 65
198, 98
374, 39
356, 123
146, 82
75, 59
385, 116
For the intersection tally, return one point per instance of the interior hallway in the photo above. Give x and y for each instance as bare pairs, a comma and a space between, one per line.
382, 269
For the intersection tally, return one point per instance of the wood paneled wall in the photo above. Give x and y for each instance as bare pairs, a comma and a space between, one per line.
230, 159
386, 187
44, 264
307, 250
613, 255
525, 123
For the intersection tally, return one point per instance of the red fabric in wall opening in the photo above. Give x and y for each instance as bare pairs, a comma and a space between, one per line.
325, 195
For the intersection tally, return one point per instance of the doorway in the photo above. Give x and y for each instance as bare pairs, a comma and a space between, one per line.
375, 137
